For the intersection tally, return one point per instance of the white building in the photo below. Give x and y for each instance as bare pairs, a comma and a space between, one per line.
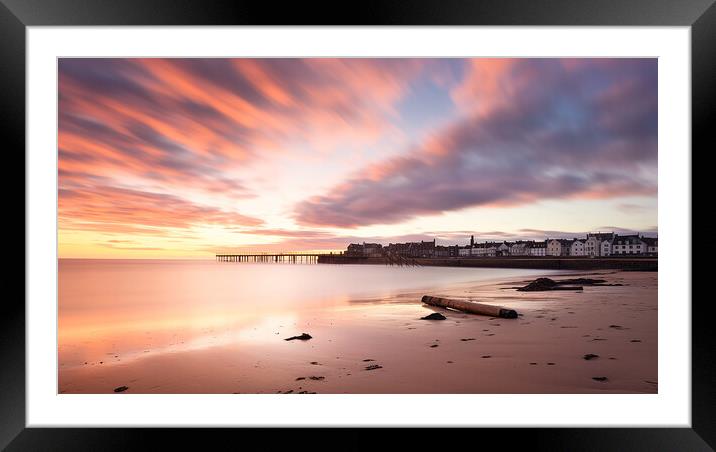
606, 246
652, 245
538, 249
628, 244
488, 250
504, 249
577, 248
519, 249
593, 244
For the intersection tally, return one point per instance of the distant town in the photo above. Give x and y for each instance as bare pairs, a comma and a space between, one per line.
593, 245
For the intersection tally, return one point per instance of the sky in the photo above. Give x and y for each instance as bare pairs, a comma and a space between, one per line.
163, 158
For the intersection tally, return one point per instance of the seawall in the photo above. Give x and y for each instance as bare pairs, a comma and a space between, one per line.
548, 263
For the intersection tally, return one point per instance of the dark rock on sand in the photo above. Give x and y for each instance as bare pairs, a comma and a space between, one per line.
317, 378
468, 339
590, 356
368, 360
543, 284
300, 378
434, 345
121, 389
599, 378
373, 367
434, 316
302, 337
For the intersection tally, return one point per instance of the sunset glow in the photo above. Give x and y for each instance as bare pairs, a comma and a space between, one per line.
186, 157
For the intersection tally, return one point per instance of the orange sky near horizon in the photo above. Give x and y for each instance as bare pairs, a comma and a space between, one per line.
178, 158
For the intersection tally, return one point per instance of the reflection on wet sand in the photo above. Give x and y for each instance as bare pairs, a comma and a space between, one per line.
172, 341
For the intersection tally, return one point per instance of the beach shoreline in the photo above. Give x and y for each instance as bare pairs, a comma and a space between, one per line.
380, 345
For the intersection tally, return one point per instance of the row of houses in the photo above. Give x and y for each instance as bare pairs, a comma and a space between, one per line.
500, 249
604, 244
594, 245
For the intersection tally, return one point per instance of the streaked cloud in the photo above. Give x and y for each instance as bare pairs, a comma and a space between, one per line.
536, 129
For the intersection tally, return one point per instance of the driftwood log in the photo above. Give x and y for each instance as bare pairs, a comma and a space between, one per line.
471, 307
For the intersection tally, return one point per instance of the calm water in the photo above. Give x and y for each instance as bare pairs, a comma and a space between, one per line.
129, 307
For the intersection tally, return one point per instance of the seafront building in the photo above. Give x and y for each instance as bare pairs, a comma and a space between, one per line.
634, 244
577, 248
598, 244
558, 247
411, 249
538, 249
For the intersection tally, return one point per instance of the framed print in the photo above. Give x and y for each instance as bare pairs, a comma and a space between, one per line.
236, 221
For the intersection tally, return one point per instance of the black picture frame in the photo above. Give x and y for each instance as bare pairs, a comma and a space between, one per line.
16, 15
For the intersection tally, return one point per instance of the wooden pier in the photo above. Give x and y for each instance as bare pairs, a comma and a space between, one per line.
279, 258
316, 258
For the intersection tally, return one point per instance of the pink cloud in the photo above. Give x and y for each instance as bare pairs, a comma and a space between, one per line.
538, 130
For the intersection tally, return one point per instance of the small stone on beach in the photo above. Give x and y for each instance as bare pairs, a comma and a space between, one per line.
599, 378
434, 316
302, 337
121, 389
373, 367
590, 356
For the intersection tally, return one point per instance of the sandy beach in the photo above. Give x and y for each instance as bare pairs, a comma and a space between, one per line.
380, 345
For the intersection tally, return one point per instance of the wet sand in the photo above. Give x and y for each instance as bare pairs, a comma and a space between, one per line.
542, 351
